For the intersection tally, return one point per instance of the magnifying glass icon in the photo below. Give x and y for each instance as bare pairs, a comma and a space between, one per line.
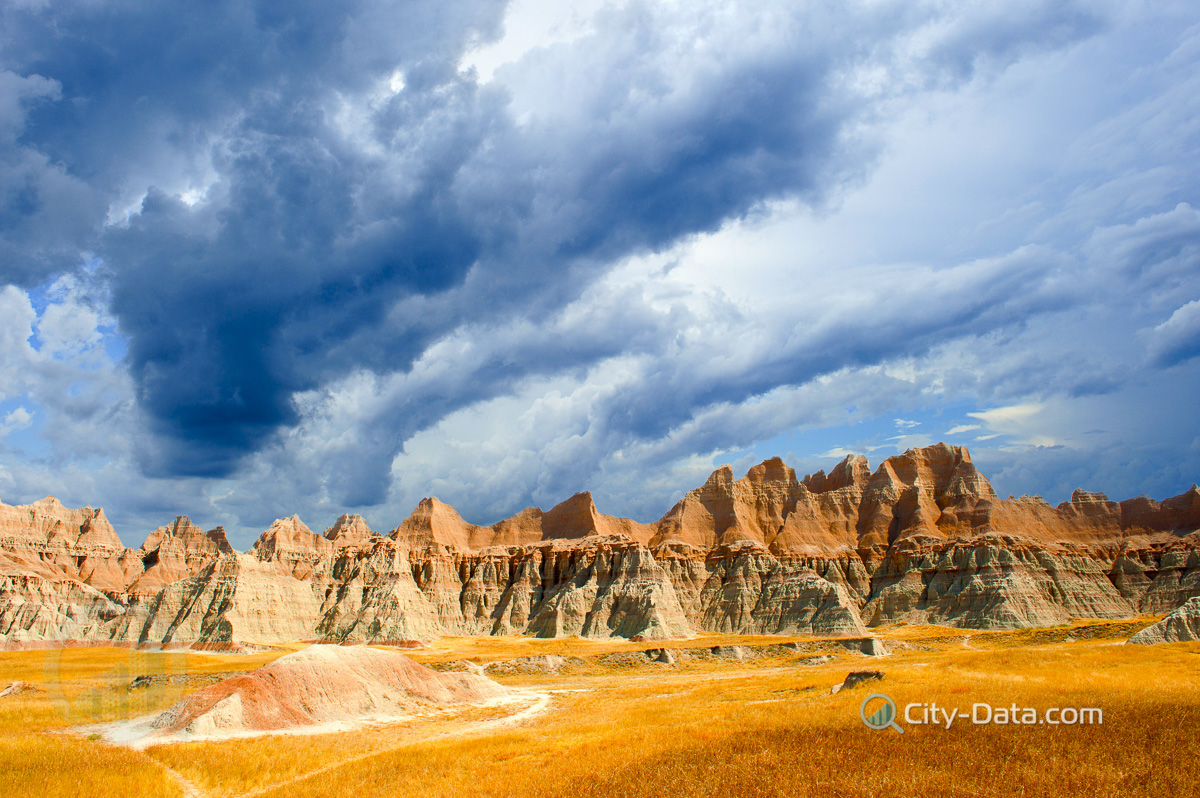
883, 717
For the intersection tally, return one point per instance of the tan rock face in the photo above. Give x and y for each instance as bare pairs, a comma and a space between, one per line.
436, 524
77, 543
991, 583
602, 587
294, 547
174, 552
236, 598
931, 493
349, 531
1160, 577
922, 539
1180, 626
36, 607
47, 521
746, 590
373, 594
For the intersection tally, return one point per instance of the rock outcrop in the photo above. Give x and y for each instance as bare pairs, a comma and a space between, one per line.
175, 552
1181, 625
350, 531
436, 524
78, 543
315, 686
922, 539
39, 604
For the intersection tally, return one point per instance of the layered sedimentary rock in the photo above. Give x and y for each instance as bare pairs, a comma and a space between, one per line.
434, 523
175, 552
78, 543
236, 598
1181, 625
39, 603
991, 582
741, 587
922, 539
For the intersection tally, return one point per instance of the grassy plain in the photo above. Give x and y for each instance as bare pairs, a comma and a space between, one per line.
765, 727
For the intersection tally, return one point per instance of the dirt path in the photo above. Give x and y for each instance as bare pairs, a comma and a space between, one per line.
539, 704
189, 789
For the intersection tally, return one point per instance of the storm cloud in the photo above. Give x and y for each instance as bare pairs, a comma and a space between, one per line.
315, 239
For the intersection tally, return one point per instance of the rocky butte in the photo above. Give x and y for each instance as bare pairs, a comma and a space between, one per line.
922, 539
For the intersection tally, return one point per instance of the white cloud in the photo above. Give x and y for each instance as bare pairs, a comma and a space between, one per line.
840, 452
20, 418
1007, 416
1177, 339
961, 428
530, 24
1019, 421
903, 443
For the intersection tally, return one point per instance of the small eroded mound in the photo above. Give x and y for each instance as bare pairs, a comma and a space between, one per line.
320, 685
19, 688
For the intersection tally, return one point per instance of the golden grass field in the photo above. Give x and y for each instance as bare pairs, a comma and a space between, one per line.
766, 727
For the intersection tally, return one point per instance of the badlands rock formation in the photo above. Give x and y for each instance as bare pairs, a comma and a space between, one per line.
1181, 625
922, 539
316, 686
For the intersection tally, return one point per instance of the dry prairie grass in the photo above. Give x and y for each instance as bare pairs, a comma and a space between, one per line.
89, 685
62, 766
748, 731
762, 728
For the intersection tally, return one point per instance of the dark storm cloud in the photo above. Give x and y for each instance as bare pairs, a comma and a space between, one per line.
228, 304
348, 228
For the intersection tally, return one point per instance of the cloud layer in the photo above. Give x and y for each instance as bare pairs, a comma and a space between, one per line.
306, 252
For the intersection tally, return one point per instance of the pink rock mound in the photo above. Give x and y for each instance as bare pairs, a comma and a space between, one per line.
322, 684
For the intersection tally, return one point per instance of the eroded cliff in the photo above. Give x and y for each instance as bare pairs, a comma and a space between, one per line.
922, 539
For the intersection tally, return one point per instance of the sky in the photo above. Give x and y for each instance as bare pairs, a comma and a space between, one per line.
265, 258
